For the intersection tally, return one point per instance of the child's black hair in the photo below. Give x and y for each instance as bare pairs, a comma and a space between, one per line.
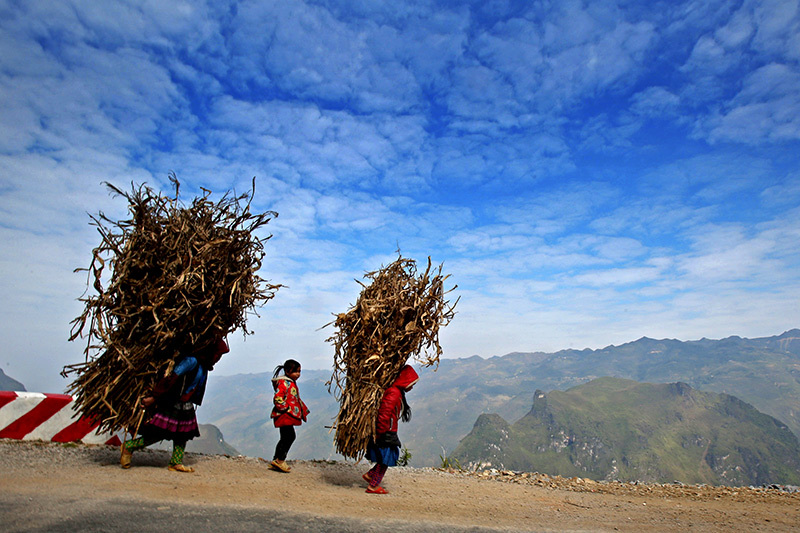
288, 366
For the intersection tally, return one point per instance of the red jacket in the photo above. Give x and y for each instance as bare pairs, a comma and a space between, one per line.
289, 409
392, 403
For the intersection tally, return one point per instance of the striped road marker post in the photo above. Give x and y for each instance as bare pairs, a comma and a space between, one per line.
49, 417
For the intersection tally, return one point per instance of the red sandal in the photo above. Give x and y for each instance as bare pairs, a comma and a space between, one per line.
377, 490
367, 477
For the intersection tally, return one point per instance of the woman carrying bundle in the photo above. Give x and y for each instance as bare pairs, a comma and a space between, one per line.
173, 399
385, 449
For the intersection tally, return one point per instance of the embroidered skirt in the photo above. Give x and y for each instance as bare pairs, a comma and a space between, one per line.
175, 423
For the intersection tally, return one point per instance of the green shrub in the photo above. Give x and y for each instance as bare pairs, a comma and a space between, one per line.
405, 457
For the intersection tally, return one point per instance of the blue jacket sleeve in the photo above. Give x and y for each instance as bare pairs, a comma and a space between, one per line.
186, 365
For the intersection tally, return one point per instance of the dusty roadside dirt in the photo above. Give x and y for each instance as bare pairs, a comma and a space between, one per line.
527, 502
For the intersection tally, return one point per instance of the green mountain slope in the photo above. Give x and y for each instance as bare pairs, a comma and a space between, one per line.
613, 428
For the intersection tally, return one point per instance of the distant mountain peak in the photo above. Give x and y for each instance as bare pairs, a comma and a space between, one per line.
9, 383
681, 389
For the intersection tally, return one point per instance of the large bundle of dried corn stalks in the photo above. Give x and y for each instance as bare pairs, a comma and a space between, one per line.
396, 317
181, 276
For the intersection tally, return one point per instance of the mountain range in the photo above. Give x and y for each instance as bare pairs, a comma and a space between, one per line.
763, 372
8, 383
618, 429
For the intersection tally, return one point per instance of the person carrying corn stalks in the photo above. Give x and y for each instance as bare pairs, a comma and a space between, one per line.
172, 402
384, 450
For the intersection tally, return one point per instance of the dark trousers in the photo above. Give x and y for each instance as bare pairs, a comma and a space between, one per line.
285, 442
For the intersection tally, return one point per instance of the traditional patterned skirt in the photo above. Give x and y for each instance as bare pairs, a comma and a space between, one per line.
385, 455
175, 423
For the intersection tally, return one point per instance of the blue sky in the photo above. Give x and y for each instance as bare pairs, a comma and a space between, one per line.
588, 172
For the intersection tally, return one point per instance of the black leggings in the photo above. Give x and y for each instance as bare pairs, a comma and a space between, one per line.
285, 442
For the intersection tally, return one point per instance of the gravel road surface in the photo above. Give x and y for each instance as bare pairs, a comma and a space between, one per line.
56, 487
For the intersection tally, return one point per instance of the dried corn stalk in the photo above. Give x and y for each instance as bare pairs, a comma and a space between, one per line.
180, 276
396, 317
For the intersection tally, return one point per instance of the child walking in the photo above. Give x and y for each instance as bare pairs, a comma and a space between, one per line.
385, 449
289, 410
172, 400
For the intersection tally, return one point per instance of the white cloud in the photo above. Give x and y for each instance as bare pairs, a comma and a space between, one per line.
759, 44
778, 24
96, 99
305, 143
304, 49
596, 65
766, 109
654, 102
707, 179
618, 276
784, 193
722, 254
541, 151
601, 134
710, 57
737, 31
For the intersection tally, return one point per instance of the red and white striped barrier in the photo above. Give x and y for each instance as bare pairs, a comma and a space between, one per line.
37, 416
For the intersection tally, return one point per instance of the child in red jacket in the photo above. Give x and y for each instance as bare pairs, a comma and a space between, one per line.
289, 410
385, 449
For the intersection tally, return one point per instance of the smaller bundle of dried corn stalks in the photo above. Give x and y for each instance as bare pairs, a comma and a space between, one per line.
396, 317
181, 276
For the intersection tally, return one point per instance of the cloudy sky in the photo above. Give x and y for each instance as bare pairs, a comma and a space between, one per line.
588, 172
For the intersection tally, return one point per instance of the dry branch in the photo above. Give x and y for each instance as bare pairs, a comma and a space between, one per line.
180, 276
396, 317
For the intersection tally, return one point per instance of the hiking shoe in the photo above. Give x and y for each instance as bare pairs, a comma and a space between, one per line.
376, 490
181, 468
280, 466
125, 456
367, 477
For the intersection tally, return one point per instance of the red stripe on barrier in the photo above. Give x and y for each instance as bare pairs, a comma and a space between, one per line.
75, 431
114, 441
7, 397
51, 404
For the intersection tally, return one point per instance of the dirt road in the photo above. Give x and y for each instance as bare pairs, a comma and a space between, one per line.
81, 483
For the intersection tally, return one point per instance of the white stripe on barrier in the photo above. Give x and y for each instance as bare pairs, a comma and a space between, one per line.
47, 429
25, 402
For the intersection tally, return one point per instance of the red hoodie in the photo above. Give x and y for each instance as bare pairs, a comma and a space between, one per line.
392, 403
